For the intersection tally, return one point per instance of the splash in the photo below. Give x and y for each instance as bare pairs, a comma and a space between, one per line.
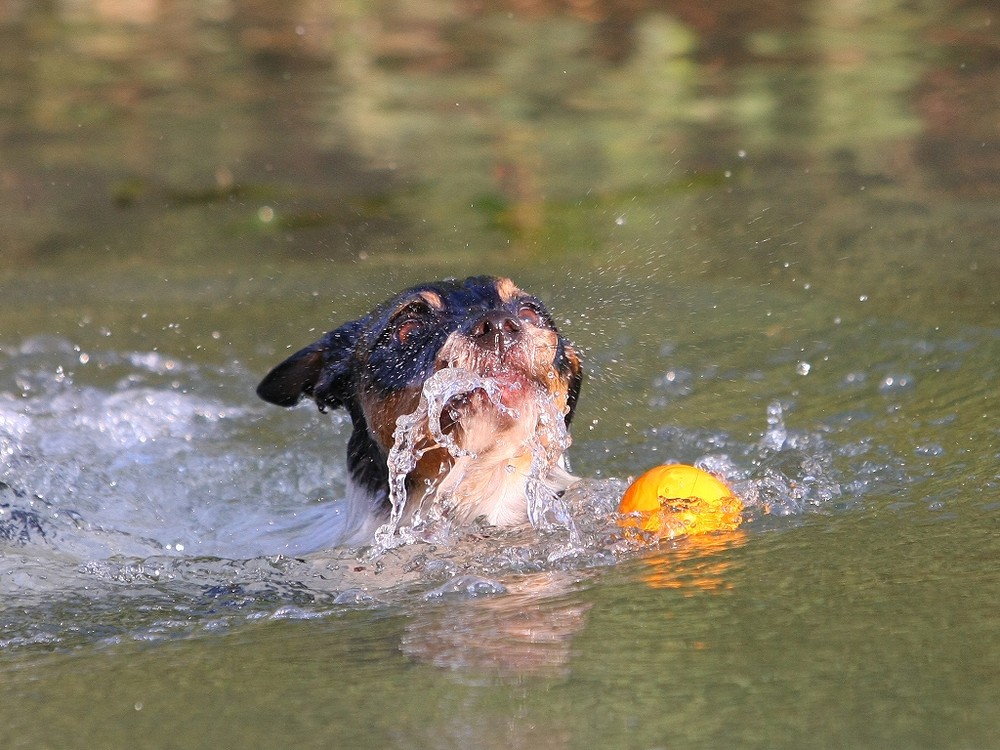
776, 435
410, 443
180, 510
422, 431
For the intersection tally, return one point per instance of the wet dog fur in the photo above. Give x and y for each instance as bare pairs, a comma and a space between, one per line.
375, 368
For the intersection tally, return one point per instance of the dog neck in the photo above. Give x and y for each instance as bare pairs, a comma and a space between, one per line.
496, 485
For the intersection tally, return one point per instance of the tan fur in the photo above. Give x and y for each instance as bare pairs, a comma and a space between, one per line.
381, 413
491, 480
433, 299
508, 290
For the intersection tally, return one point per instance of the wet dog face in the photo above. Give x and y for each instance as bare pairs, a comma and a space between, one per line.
376, 368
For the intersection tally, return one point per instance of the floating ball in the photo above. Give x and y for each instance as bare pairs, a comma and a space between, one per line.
676, 500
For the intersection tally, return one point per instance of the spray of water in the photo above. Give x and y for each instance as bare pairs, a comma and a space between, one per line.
421, 431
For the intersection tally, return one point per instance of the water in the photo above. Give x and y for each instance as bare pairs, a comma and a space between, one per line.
419, 432
770, 236
143, 486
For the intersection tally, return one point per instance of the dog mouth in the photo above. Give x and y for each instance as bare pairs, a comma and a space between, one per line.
501, 383
495, 386
466, 396
473, 437
459, 411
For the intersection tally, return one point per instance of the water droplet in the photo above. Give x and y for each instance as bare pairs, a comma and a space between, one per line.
894, 383
776, 434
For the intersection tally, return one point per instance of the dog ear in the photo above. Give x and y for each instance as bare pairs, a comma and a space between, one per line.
572, 364
321, 371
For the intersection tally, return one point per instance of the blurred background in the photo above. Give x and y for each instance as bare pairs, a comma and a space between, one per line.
220, 136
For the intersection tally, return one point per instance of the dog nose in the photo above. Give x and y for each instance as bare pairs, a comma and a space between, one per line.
496, 329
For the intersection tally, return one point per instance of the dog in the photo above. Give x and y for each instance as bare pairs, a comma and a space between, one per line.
487, 446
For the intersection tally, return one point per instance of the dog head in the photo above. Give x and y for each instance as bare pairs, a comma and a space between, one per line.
376, 367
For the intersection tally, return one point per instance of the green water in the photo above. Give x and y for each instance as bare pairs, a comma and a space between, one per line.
794, 204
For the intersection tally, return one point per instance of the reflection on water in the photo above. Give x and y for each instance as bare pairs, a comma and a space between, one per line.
769, 228
528, 631
200, 130
692, 565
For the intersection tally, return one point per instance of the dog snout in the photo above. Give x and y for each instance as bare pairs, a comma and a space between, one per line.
495, 329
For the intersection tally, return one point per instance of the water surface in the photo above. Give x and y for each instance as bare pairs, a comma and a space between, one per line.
771, 232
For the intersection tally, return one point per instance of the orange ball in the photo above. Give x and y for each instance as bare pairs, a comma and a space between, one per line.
676, 499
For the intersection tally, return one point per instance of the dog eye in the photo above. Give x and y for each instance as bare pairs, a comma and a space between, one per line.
409, 319
530, 314
406, 329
